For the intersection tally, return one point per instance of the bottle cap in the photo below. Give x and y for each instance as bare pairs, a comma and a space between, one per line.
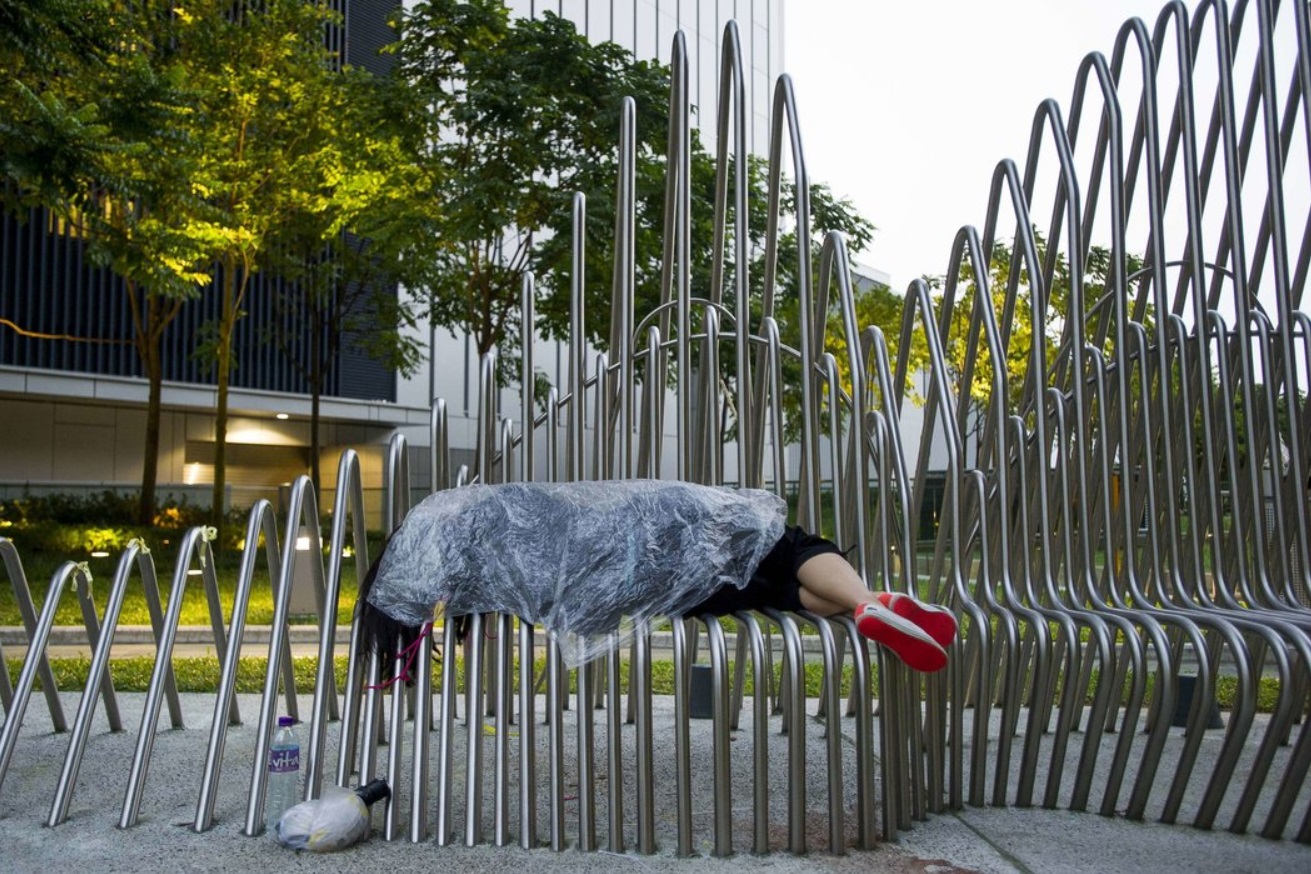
286, 721
374, 790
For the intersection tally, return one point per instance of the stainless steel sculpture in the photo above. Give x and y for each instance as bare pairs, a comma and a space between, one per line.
1125, 510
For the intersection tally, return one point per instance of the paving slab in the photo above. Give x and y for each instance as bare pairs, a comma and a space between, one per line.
973, 839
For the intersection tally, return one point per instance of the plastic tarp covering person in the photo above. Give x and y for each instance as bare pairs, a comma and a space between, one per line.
580, 560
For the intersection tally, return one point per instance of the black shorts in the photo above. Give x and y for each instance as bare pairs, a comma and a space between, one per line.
774, 583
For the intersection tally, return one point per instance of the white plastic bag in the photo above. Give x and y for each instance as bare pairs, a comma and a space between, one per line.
326, 824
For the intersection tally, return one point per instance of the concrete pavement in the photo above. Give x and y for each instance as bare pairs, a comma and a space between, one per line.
973, 839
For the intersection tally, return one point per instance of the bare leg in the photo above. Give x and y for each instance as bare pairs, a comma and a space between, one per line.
830, 586
917, 634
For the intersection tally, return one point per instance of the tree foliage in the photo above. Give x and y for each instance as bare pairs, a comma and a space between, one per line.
512, 117
1015, 326
194, 146
522, 114
350, 237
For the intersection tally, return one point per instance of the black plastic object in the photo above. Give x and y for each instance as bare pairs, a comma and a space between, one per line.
373, 791
1184, 703
703, 692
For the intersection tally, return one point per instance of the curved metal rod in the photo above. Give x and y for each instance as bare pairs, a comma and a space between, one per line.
614, 710
302, 510
1032, 607
724, 313
624, 284
733, 118
556, 692
833, 265
473, 708
485, 427
575, 448
750, 634
397, 486
875, 354
651, 437
832, 734
809, 321
23, 597
348, 501
707, 447
985, 661
194, 546
439, 450
527, 380
866, 830
795, 726
643, 737
445, 832
682, 738
676, 264
723, 783
137, 554
35, 658
259, 522
527, 738
770, 373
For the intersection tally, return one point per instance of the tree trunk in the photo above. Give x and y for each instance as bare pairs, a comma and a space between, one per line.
316, 394
150, 461
314, 443
223, 372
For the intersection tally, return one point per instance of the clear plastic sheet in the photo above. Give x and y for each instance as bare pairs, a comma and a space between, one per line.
324, 825
581, 559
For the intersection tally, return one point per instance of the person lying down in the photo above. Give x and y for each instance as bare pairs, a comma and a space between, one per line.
586, 559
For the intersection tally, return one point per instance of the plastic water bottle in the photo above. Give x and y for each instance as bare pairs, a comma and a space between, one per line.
284, 773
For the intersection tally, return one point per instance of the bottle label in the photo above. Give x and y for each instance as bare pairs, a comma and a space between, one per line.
284, 761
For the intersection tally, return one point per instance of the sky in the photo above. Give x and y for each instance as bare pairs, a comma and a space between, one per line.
906, 107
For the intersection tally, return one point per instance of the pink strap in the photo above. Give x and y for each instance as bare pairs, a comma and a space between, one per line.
410, 653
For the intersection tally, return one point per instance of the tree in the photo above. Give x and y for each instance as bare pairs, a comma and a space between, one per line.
515, 116
525, 113
1019, 333
49, 118
97, 135
350, 240
257, 74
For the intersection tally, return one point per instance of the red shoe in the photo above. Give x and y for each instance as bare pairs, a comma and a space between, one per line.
906, 640
937, 622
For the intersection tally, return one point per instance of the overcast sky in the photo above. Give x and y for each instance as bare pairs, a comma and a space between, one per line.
906, 107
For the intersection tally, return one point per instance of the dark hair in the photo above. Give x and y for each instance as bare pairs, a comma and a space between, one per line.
381, 633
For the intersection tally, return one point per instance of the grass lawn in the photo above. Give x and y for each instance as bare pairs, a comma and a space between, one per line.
201, 675
40, 566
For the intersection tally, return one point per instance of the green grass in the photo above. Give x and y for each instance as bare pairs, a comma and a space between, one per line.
201, 675
40, 566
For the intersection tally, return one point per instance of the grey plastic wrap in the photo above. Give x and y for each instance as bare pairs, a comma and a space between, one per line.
580, 559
